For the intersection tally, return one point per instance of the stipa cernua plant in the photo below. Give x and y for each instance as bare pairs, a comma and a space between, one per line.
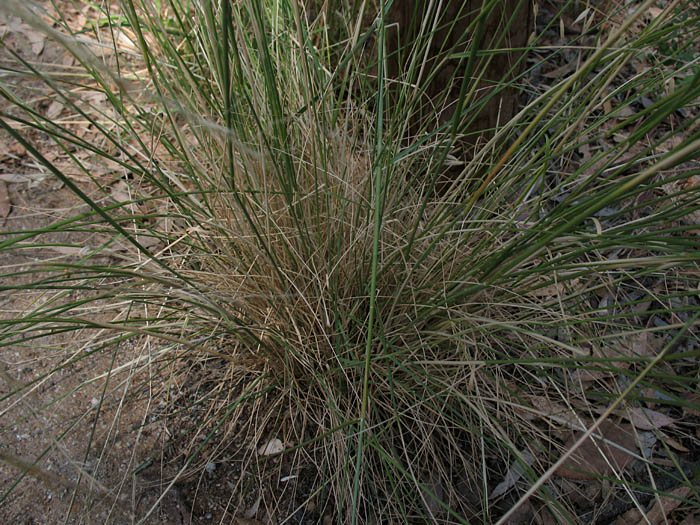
269, 252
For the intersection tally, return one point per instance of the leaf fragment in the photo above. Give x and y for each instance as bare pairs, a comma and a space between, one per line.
515, 472
647, 419
54, 109
666, 504
599, 457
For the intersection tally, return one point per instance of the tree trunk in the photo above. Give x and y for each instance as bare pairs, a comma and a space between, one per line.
445, 61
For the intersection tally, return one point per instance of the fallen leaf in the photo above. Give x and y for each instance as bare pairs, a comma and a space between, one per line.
120, 192
54, 109
17, 149
36, 39
147, 241
589, 460
557, 412
631, 516
515, 472
693, 408
5, 205
640, 345
647, 440
274, 446
665, 505
434, 502
647, 419
691, 519
582, 375
525, 513
554, 290
674, 444
561, 71
670, 144
625, 111
582, 16
654, 12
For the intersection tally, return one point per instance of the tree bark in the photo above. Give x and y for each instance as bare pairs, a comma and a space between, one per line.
506, 27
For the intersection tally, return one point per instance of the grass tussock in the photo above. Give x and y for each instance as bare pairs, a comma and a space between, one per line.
271, 224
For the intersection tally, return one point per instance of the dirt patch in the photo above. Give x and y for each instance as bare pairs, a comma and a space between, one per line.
72, 438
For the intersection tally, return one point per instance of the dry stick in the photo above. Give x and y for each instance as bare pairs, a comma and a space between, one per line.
555, 98
597, 424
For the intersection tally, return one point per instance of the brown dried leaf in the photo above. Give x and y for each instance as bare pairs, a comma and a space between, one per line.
515, 472
120, 192
561, 71
36, 39
17, 149
674, 444
589, 460
582, 375
524, 514
54, 109
642, 345
654, 12
670, 144
694, 409
631, 516
647, 419
148, 241
555, 290
557, 412
691, 519
666, 504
